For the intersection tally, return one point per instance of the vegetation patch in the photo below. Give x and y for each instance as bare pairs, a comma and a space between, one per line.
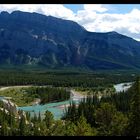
27, 96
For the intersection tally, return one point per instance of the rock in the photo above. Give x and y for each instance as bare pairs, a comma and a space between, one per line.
38, 40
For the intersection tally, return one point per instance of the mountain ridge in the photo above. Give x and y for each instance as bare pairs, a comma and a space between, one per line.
36, 39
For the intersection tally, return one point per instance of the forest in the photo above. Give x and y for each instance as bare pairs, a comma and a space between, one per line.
112, 115
48, 94
64, 78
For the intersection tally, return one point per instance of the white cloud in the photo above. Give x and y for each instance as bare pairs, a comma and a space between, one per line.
57, 10
94, 17
127, 24
95, 7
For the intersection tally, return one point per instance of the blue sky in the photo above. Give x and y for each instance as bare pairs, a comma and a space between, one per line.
122, 18
74, 7
114, 8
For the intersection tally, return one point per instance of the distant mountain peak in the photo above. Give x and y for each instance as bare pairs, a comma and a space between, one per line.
36, 39
113, 32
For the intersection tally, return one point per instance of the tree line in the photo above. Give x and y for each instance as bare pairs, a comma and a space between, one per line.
48, 94
93, 117
62, 79
114, 115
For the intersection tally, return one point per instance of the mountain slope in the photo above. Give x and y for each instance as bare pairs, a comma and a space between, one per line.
35, 39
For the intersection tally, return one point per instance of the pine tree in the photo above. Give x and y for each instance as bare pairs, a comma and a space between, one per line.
36, 129
57, 129
103, 117
118, 124
48, 119
22, 126
70, 128
39, 117
134, 121
4, 129
83, 128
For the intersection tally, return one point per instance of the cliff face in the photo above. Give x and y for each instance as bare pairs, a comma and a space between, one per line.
34, 39
9, 106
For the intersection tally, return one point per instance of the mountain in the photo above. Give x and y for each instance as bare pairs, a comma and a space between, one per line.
38, 40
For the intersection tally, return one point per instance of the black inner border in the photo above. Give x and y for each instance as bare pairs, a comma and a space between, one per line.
69, 2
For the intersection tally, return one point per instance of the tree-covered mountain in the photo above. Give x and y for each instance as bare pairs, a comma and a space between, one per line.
35, 39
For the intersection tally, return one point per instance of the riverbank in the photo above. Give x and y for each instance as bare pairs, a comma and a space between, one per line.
32, 95
122, 87
5, 88
18, 95
58, 108
36, 101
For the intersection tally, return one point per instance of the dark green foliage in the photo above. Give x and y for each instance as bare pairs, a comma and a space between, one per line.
70, 128
83, 128
113, 115
120, 100
4, 129
48, 94
64, 79
134, 118
22, 126
109, 121
85, 108
48, 119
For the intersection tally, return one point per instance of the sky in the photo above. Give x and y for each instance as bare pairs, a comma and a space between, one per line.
122, 18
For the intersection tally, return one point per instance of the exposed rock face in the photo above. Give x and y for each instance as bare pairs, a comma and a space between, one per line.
35, 39
10, 106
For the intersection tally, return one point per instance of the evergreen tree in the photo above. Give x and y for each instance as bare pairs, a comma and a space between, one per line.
134, 121
22, 126
36, 129
103, 117
57, 129
83, 128
118, 124
4, 129
48, 119
39, 117
70, 128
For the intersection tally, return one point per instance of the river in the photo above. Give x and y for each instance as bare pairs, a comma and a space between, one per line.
58, 108
122, 86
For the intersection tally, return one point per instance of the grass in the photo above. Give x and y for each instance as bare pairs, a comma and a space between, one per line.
19, 96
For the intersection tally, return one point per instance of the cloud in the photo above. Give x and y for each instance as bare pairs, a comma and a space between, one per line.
93, 17
95, 7
127, 24
57, 10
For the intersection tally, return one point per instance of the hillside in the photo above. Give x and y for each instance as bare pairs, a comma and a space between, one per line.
32, 39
